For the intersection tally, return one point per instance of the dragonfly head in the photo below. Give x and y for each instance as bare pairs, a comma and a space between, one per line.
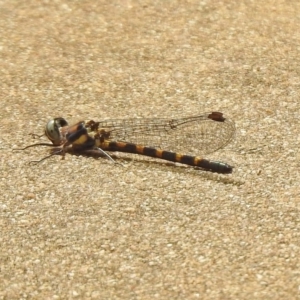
52, 130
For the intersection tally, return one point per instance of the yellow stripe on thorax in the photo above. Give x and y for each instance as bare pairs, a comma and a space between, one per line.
81, 140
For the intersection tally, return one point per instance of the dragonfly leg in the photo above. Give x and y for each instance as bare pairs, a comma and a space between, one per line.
108, 156
34, 145
34, 135
60, 151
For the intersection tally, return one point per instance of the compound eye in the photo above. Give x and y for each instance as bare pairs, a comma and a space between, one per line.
52, 130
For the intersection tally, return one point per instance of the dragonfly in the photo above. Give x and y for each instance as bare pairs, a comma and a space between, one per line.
163, 138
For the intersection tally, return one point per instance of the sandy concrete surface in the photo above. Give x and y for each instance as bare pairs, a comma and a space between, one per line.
83, 228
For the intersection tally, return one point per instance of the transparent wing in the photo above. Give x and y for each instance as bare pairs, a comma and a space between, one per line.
195, 135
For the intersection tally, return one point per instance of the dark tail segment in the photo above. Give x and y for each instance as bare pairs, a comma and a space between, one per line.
195, 161
214, 166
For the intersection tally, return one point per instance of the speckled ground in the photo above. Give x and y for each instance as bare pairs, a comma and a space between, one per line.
87, 229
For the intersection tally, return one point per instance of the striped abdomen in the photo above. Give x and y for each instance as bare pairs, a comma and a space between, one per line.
196, 161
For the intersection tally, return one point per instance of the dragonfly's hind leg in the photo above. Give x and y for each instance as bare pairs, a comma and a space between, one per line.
108, 156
